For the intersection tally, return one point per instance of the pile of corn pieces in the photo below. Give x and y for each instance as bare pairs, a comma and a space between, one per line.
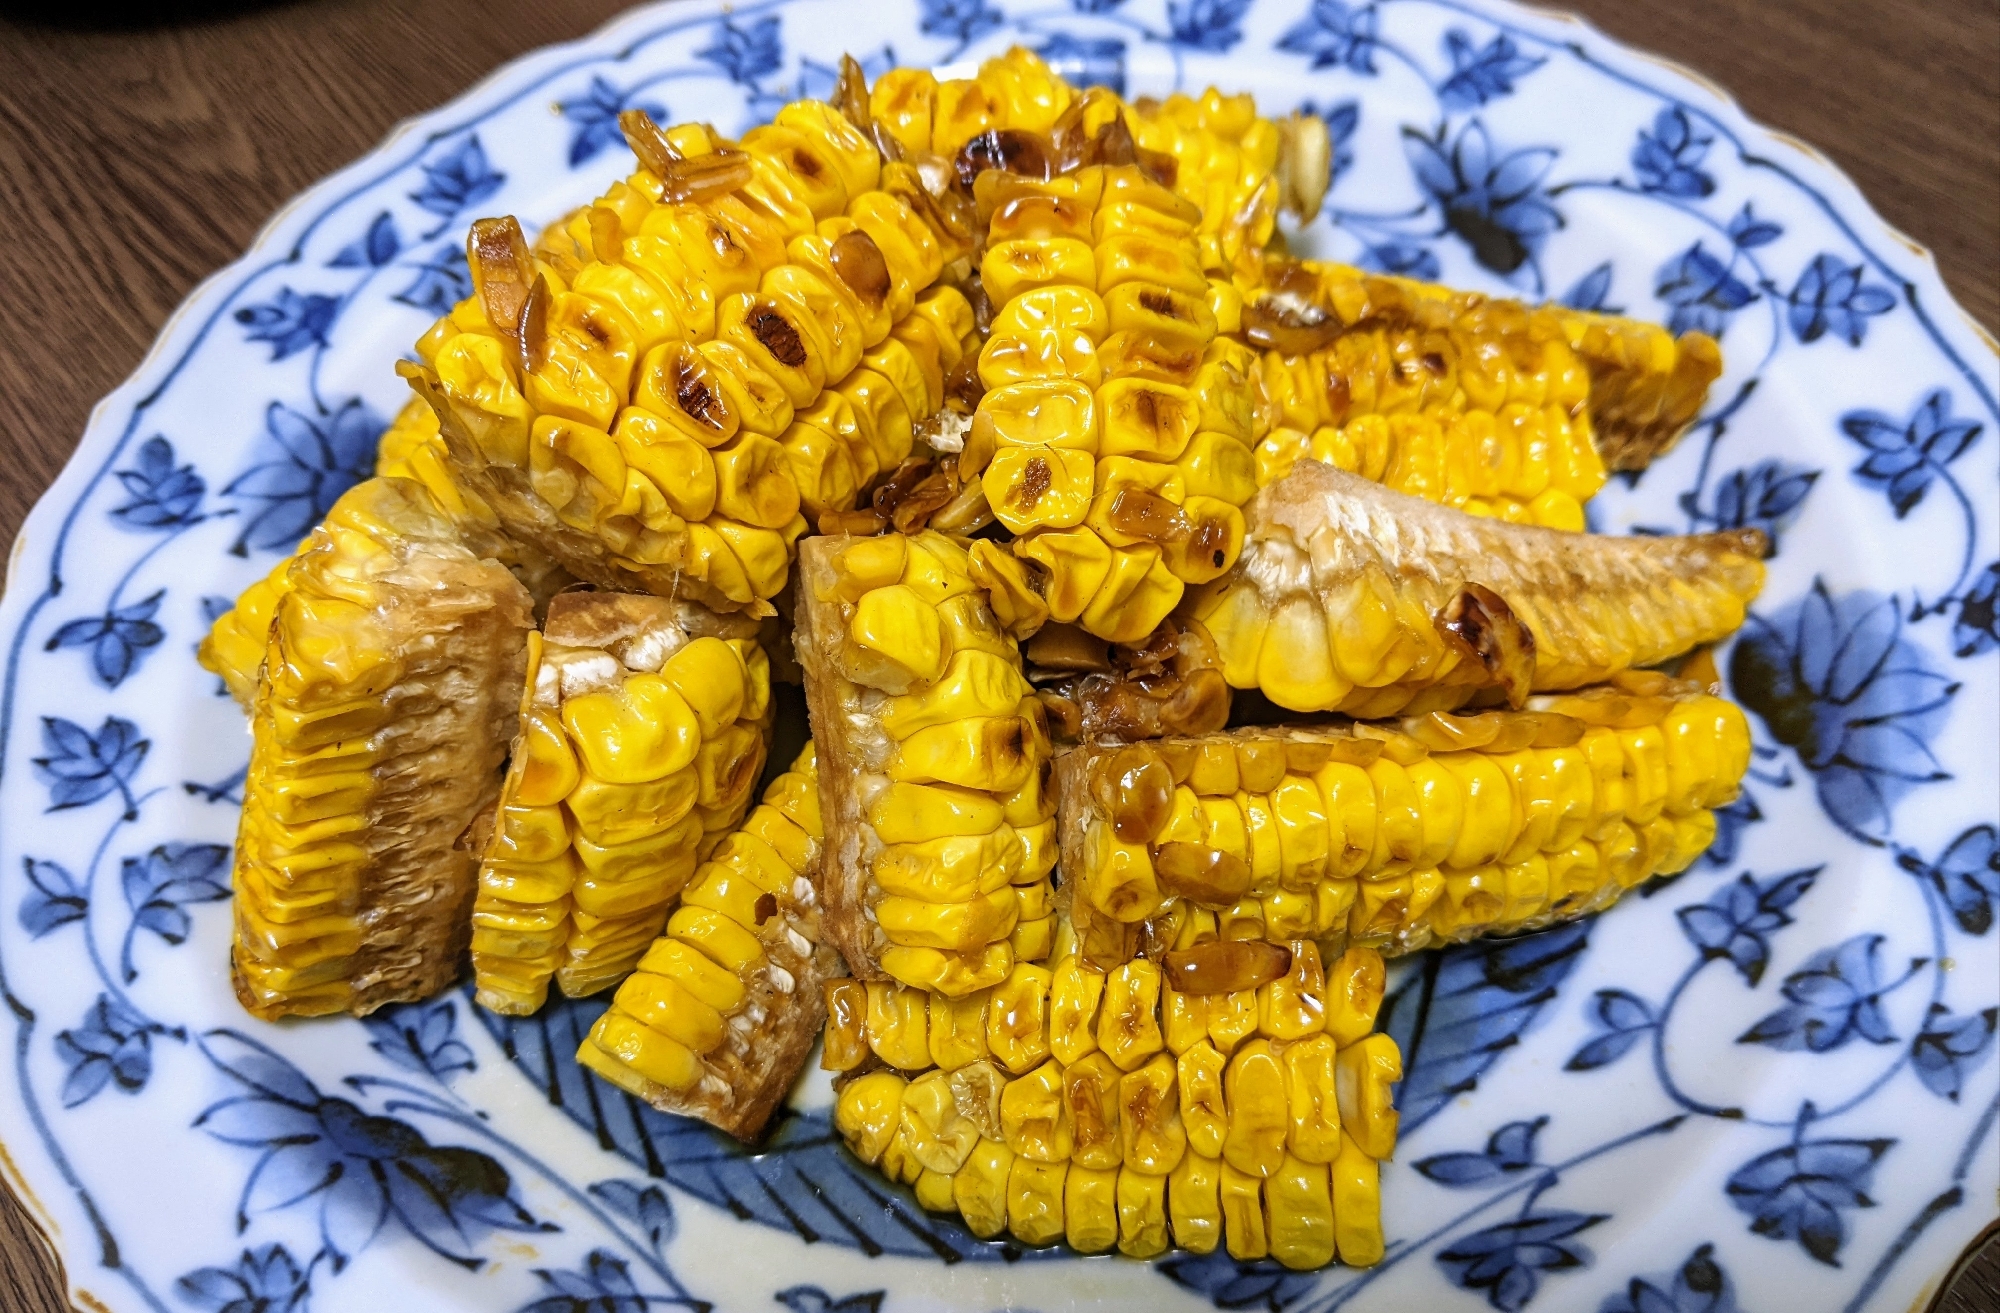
997, 413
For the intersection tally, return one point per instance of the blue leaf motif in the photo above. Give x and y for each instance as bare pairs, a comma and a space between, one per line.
1702, 291
648, 1206
1950, 1048
1095, 6
1747, 231
116, 639
1509, 1150
1407, 259
1231, 1283
441, 282
1833, 679
1592, 291
82, 767
263, 1280
1801, 1191
421, 1037
1087, 61
1830, 297
746, 53
1905, 456
159, 885
1468, 1004
602, 1285
113, 1045
1835, 996
1701, 1286
1738, 919
1341, 119
312, 461
1506, 1260
594, 117
1626, 1019
292, 323
1493, 201
812, 1299
1966, 874
967, 20
372, 249
1482, 73
362, 1171
54, 899
1214, 25
162, 495
1335, 33
1977, 628
459, 178
1668, 159
1765, 496
1730, 822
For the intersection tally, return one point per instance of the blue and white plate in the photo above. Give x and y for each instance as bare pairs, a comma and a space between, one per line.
1766, 1084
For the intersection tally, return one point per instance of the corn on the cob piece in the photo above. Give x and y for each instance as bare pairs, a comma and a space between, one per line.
409, 449
1113, 435
643, 727
1354, 598
933, 759
378, 729
736, 333
1489, 404
723, 1008
1229, 1094
1439, 828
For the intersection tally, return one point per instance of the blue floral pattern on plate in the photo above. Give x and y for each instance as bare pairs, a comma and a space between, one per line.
1791, 1045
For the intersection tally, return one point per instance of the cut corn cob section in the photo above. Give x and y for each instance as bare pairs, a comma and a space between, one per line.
1230, 1095
643, 727
377, 732
409, 449
723, 1008
933, 757
1354, 598
1112, 437
1431, 830
737, 333
1488, 404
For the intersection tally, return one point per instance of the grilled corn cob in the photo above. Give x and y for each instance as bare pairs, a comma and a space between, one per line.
1354, 598
1490, 405
409, 449
723, 1008
736, 333
378, 729
1231, 1094
1439, 828
1112, 436
933, 752
643, 728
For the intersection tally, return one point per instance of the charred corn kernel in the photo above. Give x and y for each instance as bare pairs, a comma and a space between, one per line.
1017, 1030
1330, 608
1128, 1021
936, 747
658, 731
377, 727
672, 329
1141, 1154
1357, 1206
1455, 825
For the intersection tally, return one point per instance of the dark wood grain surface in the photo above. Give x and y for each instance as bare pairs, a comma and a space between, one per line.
134, 161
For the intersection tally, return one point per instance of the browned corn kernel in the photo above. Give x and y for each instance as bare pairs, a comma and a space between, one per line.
1433, 829
377, 730
1169, 683
1350, 597
935, 747
704, 1029
642, 732
1253, 1134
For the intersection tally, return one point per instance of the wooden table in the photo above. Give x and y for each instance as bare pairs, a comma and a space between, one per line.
135, 161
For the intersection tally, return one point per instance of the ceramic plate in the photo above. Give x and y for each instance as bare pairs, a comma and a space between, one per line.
1765, 1084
